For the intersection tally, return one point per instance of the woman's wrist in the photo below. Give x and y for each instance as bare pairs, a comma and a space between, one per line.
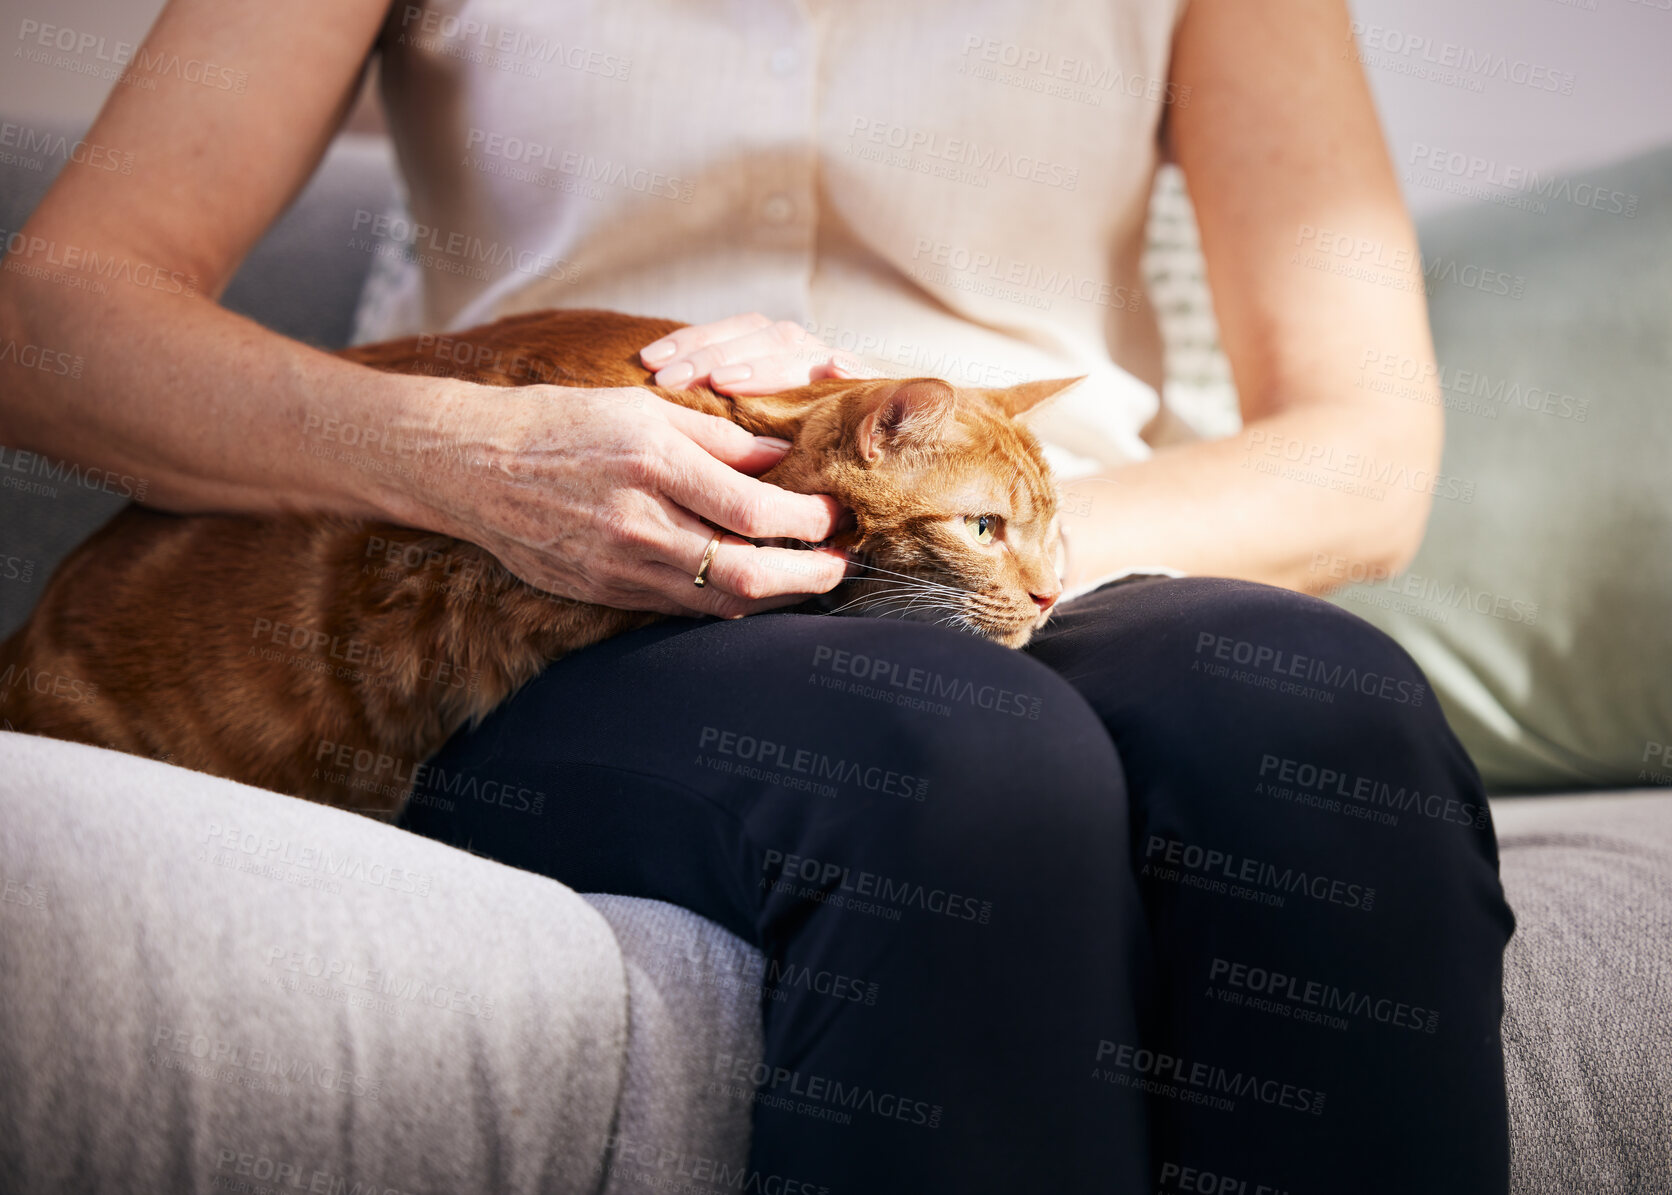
404, 465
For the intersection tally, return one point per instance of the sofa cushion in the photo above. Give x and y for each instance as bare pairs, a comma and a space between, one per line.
1587, 986
694, 996
1588, 992
1537, 602
204, 985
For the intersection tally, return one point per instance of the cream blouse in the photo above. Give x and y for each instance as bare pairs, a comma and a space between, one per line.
946, 187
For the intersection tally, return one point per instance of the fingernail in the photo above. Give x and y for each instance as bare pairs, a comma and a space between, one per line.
727, 374
773, 442
660, 351
673, 375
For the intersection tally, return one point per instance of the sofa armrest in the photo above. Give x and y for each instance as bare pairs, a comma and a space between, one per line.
203, 984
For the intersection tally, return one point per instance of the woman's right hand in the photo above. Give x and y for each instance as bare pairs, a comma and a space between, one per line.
602, 495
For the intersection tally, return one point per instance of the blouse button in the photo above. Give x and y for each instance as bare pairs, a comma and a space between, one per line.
778, 208
784, 60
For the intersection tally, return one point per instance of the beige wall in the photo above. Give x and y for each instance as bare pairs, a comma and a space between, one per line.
1615, 52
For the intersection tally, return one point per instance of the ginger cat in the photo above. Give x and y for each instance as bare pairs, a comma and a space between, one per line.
263, 649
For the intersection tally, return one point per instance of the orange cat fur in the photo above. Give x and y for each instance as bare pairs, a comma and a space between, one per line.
270, 649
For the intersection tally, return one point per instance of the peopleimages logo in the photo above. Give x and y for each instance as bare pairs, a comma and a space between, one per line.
296, 965
62, 472
38, 257
828, 882
1472, 170
459, 36
652, 1165
809, 763
1211, 1081
1422, 56
40, 39
42, 144
932, 148
1378, 793
1358, 473
536, 155
1037, 68
289, 1175
1322, 997
322, 651
374, 771
268, 851
1377, 367
874, 676
217, 1052
772, 1084
49, 684
1216, 869
33, 356
964, 268
455, 252
1278, 662
1207, 1182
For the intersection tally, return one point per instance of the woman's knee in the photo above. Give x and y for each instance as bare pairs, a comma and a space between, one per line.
995, 763
1181, 656
1246, 711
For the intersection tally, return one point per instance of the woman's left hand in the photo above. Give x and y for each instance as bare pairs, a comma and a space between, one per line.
746, 354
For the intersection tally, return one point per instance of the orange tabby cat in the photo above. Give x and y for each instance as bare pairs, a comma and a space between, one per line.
271, 650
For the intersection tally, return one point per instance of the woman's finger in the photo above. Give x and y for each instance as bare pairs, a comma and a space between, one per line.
744, 505
742, 569
715, 599
680, 343
783, 339
753, 573
843, 365
770, 375
716, 603
725, 441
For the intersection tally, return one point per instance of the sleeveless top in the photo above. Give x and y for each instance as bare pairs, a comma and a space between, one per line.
954, 188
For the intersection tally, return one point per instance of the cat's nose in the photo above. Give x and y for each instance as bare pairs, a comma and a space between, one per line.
1046, 600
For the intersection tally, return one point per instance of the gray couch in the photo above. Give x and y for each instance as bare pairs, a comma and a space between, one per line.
205, 986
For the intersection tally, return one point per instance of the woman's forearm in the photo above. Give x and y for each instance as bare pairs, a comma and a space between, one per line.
1305, 498
205, 409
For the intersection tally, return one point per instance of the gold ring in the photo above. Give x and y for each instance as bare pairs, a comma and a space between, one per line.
707, 559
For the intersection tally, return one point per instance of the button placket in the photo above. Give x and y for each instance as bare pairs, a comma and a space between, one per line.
779, 202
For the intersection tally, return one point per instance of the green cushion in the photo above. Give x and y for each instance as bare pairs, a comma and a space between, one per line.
1541, 606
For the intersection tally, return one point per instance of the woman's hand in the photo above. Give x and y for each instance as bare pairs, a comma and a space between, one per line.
601, 495
746, 354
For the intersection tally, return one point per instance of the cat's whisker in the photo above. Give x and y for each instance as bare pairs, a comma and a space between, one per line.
932, 606
886, 591
902, 602
871, 601
908, 577
889, 589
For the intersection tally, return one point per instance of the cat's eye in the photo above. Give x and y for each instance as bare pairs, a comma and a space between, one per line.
982, 527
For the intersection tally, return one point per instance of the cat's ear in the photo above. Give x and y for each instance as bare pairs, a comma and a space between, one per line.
911, 414
1019, 400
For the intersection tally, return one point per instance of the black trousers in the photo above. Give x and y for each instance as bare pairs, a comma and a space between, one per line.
1199, 893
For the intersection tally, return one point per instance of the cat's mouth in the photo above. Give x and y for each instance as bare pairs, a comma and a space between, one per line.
1014, 632
876, 591
1014, 635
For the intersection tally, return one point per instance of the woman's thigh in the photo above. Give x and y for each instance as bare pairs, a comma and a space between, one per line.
1319, 874
728, 748
930, 825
